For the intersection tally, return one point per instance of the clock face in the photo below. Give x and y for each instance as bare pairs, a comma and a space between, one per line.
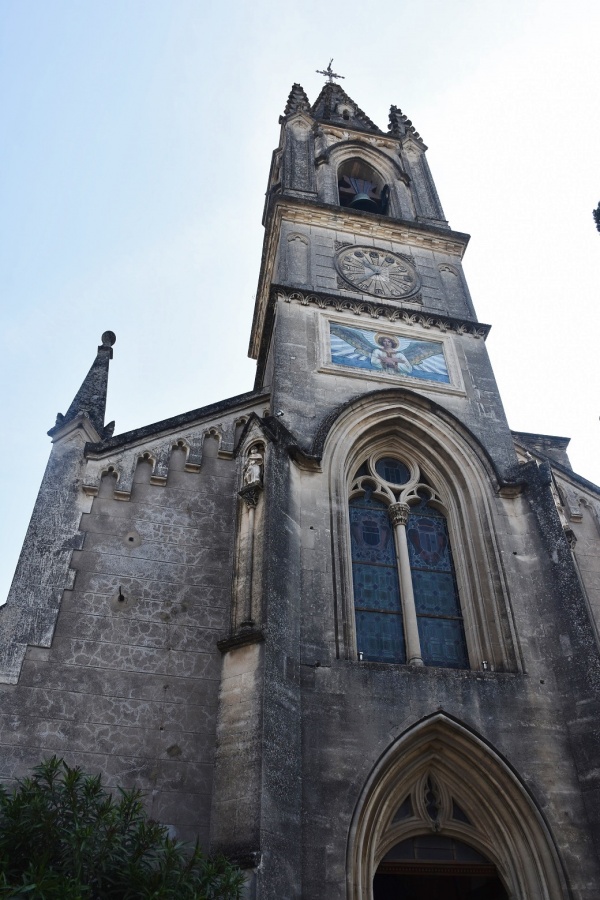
378, 272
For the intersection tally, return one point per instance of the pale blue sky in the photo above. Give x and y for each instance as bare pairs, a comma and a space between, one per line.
135, 146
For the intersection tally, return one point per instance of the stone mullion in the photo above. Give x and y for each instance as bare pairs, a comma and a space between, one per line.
399, 513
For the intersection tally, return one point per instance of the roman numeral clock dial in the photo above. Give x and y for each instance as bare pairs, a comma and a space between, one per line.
381, 273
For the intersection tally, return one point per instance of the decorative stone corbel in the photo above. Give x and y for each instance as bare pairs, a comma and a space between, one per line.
250, 494
570, 536
571, 501
160, 470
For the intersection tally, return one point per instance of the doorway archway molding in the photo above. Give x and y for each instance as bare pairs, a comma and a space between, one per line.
503, 821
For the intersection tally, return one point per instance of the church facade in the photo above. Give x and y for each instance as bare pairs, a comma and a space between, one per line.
343, 627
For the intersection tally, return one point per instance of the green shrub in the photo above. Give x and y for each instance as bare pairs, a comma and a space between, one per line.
63, 836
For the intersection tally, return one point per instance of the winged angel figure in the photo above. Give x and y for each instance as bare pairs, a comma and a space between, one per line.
388, 353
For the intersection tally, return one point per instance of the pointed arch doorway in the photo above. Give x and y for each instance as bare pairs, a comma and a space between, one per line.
443, 816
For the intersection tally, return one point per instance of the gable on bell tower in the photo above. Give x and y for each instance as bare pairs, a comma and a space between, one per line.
333, 152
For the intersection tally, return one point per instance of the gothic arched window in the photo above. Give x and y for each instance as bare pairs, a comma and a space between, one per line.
406, 599
360, 187
379, 626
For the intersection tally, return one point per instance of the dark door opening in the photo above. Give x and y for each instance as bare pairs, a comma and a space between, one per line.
438, 887
436, 867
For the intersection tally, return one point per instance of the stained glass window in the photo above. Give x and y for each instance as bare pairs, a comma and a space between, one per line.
379, 628
391, 469
439, 617
377, 600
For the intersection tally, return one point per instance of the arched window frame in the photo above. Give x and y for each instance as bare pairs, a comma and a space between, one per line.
388, 169
366, 173
400, 500
402, 423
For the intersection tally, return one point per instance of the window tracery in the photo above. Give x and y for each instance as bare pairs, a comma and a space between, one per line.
460, 483
430, 836
406, 601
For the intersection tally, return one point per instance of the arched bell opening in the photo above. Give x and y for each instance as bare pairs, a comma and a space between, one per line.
361, 187
432, 866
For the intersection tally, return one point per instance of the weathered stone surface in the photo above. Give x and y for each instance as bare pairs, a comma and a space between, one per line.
168, 634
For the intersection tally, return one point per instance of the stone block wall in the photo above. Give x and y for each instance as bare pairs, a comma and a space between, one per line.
129, 686
442, 290
307, 390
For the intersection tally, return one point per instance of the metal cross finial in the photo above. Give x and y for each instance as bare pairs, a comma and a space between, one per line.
329, 72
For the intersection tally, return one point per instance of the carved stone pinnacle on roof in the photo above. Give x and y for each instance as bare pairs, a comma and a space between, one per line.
297, 100
401, 124
90, 399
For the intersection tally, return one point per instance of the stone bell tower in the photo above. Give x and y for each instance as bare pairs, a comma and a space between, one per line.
406, 534
354, 225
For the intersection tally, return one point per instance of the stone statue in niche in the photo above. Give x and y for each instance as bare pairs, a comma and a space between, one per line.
253, 467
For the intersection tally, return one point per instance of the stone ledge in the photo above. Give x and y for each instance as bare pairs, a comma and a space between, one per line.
426, 671
241, 638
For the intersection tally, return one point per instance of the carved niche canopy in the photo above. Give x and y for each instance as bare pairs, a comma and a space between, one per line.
381, 273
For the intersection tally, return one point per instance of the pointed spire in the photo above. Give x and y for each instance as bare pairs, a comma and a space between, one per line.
90, 399
333, 104
297, 100
401, 124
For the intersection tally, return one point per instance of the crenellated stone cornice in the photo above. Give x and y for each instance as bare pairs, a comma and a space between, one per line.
377, 310
372, 309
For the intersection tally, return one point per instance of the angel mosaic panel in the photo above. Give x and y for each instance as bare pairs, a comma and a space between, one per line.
359, 348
